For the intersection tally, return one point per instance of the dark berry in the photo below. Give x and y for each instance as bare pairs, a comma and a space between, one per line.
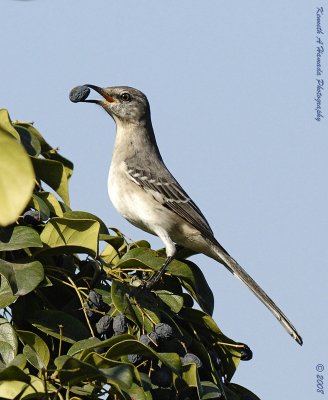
144, 339
95, 301
191, 358
134, 358
164, 331
103, 326
153, 337
161, 378
120, 324
79, 93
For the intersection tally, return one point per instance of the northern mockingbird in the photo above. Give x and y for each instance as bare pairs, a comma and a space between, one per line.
144, 191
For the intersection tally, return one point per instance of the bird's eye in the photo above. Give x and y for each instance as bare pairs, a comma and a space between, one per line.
126, 97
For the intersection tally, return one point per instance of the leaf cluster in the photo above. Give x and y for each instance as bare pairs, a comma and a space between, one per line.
76, 319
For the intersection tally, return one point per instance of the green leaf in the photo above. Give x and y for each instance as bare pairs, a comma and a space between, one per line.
22, 278
190, 375
35, 349
85, 344
29, 140
110, 255
72, 370
210, 391
6, 354
6, 294
37, 203
60, 325
87, 215
71, 235
136, 391
120, 376
53, 174
174, 301
6, 126
15, 388
14, 373
8, 342
16, 174
120, 298
18, 237
139, 243
125, 347
51, 202
47, 151
19, 361
92, 343
148, 314
209, 333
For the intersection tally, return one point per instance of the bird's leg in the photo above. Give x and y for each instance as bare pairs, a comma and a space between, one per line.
170, 248
157, 276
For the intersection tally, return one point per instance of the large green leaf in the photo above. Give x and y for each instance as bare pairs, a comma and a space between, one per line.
110, 255
47, 151
35, 349
8, 342
16, 174
22, 278
136, 391
29, 141
19, 361
6, 126
174, 301
18, 237
53, 174
209, 333
38, 204
60, 325
15, 384
6, 294
87, 215
72, 370
210, 391
83, 346
190, 376
14, 373
125, 347
71, 235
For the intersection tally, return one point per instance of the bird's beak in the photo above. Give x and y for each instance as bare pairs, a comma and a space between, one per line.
103, 93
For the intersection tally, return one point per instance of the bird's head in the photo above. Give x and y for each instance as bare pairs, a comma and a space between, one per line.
124, 104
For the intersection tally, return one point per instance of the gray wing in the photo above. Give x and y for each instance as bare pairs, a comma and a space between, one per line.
170, 193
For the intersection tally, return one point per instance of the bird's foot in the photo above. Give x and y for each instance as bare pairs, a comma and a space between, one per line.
151, 282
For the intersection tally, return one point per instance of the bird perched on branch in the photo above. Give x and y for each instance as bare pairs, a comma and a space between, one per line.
144, 191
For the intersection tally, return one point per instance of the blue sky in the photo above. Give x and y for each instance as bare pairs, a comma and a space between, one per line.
232, 88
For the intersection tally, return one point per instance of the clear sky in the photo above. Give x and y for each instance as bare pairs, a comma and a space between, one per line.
232, 87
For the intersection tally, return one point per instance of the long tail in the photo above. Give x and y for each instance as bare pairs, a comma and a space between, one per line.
224, 258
